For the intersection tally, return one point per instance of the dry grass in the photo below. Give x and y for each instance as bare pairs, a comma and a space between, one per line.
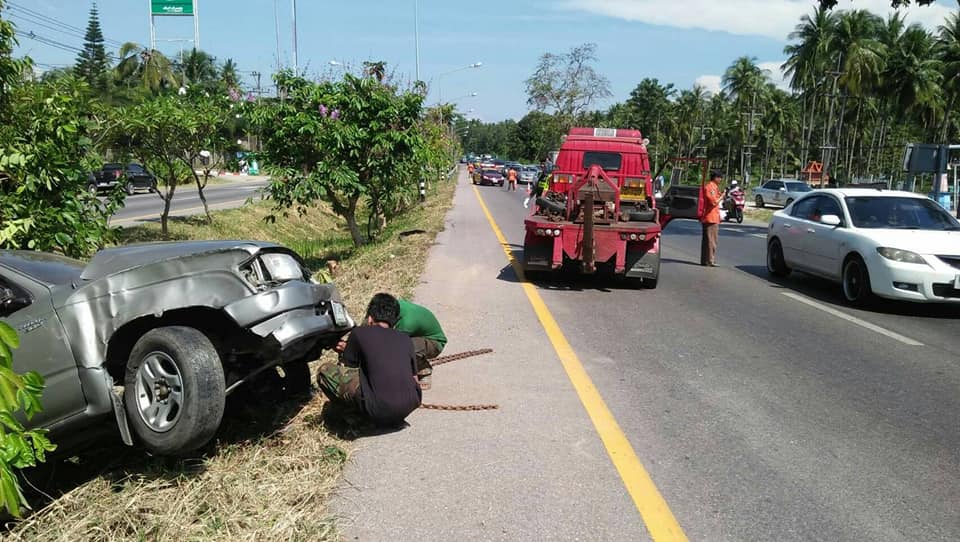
762, 215
272, 467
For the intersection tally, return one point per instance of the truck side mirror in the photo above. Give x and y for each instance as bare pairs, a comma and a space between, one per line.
11, 301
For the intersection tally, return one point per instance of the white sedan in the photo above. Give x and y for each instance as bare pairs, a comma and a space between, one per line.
891, 244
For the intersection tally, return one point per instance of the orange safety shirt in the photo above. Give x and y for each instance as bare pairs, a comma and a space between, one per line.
711, 203
512, 175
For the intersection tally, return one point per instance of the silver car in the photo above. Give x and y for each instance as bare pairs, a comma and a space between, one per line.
154, 336
780, 192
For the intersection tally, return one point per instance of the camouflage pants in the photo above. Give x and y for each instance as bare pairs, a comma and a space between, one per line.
340, 383
424, 350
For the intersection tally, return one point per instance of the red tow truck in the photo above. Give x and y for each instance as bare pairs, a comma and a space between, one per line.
599, 209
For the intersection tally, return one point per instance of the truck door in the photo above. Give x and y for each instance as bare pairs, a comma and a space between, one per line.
43, 347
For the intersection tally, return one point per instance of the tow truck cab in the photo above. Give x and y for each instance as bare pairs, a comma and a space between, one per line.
599, 208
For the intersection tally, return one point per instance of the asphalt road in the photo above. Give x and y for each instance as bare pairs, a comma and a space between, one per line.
146, 207
762, 410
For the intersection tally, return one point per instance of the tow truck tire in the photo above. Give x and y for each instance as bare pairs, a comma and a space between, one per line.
642, 216
174, 390
551, 205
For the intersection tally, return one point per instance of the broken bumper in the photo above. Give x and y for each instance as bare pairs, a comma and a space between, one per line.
296, 315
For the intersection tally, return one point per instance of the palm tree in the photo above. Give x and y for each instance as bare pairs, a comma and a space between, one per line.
198, 68
807, 64
149, 67
228, 74
746, 84
948, 48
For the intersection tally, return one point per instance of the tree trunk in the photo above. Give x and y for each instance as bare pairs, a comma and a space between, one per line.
165, 216
351, 216
203, 197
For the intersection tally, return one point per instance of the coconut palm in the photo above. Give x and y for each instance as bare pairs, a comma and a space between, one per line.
198, 68
147, 67
228, 74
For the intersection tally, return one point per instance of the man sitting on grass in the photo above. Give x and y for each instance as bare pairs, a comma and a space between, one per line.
377, 372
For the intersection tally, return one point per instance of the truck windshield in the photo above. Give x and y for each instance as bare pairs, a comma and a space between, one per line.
609, 161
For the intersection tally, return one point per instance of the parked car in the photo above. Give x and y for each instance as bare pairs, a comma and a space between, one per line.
134, 177
512, 165
529, 174
890, 244
780, 192
488, 177
153, 337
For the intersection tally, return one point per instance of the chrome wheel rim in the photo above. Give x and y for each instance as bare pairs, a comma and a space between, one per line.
159, 392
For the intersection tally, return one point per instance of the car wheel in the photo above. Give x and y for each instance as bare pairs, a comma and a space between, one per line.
856, 282
776, 264
92, 188
759, 201
174, 390
129, 189
787, 204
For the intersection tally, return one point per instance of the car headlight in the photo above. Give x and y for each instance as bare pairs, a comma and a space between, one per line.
898, 255
281, 267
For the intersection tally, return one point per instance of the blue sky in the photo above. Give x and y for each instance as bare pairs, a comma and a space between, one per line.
678, 41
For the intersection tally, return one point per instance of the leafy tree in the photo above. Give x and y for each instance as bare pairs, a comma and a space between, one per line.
11, 69
167, 133
92, 62
830, 4
340, 142
567, 84
19, 448
47, 149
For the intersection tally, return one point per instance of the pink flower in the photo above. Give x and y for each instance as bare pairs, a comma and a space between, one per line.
323, 110
234, 95
250, 97
335, 114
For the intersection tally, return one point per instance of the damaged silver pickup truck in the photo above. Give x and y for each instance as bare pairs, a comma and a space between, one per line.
156, 335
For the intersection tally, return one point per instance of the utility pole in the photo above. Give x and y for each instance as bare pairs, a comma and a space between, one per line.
276, 24
827, 147
416, 32
747, 152
295, 65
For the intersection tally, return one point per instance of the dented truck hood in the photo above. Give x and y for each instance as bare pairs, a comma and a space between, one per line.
114, 260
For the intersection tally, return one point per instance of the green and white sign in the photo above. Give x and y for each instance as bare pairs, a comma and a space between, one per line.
171, 7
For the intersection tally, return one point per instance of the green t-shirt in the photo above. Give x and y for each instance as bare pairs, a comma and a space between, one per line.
418, 321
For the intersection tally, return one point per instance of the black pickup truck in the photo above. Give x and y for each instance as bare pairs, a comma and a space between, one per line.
133, 177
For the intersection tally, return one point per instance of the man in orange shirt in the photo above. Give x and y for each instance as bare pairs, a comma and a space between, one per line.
512, 179
710, 221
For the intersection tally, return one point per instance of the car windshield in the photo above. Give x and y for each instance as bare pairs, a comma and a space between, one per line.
798, 187
901, 213
491, 172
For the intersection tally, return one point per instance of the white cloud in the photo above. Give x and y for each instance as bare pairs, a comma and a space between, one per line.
709, 82
769, 18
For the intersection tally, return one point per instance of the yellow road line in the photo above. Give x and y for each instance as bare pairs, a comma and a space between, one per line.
652, 507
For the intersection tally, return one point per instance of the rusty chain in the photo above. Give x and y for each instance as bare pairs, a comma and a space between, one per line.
454, 357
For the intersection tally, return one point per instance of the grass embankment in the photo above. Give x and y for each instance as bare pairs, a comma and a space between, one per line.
273, 465
761, 215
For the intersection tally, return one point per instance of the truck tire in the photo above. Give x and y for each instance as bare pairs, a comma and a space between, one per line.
92, 188
551, 205
174, 390
642, 216
130, 189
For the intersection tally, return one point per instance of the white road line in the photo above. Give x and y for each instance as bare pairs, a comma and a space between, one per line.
760, 235
862, 323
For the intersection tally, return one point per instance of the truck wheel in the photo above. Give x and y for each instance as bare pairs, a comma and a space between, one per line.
642, 216
92, 188
129, 189
759, 202
174, 390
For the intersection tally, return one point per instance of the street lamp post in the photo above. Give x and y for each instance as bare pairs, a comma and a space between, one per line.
440, 77
440, 107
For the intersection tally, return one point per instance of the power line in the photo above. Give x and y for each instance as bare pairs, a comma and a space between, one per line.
51, 42
41, 19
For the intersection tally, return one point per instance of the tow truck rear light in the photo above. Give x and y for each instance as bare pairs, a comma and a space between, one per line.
633, 236
561, 179
548, 232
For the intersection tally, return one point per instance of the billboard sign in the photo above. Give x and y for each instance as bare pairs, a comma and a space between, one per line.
171, 7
